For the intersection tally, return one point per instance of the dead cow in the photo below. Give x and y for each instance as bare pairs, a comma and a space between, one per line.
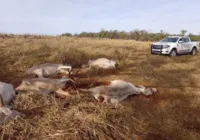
7, 92
117, 91
43, 85
6, 113
103, 63
47, 69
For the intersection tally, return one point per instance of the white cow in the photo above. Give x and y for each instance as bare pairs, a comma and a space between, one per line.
103, 63
47, 69
7, 92
117, 91
43, 85
6, 113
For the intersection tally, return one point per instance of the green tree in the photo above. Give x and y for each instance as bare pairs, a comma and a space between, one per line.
67, 34
136, 34
183, 32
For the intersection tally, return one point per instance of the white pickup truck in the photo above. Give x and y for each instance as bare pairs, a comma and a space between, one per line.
173, 45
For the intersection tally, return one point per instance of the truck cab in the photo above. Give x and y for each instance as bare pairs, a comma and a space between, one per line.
174, 45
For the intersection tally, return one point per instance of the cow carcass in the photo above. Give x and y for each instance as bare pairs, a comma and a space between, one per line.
103, 63
117, 91
47, 69
43, 85
6, 113
7, 92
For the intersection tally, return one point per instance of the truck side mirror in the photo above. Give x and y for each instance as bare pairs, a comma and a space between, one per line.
180, 41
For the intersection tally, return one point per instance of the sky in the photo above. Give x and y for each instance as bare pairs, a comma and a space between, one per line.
54, 17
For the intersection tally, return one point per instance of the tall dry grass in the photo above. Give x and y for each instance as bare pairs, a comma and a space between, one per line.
172, 114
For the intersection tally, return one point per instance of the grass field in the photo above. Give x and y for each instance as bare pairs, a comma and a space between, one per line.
171, 114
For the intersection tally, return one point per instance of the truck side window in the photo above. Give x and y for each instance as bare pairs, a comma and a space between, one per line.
186, 39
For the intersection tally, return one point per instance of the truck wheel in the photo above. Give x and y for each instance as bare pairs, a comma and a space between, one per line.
173, 53
194, 51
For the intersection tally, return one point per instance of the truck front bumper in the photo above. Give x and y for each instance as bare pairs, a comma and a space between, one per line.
160, 51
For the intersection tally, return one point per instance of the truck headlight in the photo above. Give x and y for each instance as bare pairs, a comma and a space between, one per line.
166, 46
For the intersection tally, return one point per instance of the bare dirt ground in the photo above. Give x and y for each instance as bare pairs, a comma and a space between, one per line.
171, 114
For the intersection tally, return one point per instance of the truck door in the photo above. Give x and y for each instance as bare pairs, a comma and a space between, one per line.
181, 46
186, 44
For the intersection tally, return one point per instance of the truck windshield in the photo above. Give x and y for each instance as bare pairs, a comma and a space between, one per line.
170, 39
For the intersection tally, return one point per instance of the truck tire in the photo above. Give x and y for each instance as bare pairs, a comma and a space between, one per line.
173, 53
194, 51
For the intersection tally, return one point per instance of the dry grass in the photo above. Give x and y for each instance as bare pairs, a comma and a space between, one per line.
172, 114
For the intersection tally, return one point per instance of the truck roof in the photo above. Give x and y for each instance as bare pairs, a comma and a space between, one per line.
177, 36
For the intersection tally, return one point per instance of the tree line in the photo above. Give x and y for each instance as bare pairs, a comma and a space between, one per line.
139, 35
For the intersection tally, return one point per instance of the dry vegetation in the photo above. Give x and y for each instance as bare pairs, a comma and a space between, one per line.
172, 114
